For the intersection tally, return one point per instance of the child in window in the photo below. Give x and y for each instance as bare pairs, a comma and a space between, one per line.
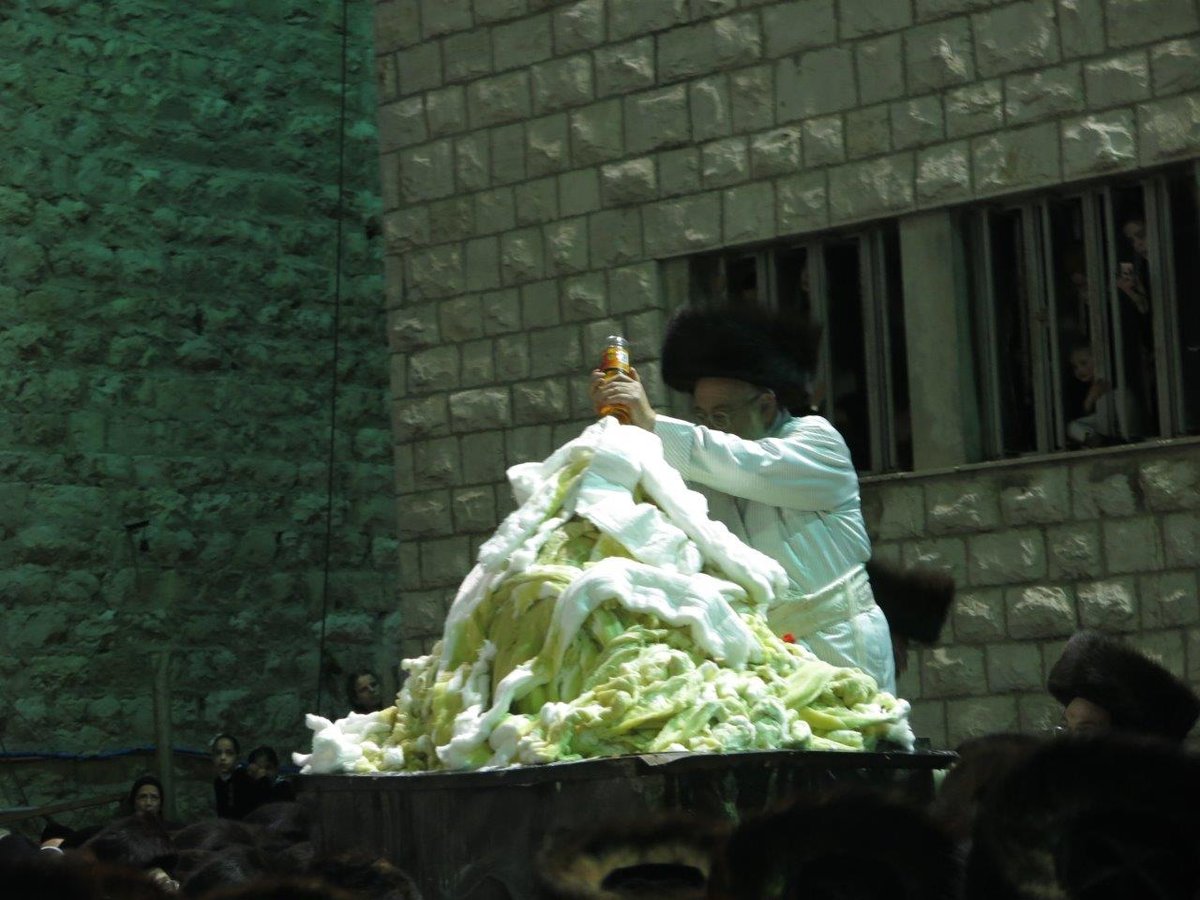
1095, 404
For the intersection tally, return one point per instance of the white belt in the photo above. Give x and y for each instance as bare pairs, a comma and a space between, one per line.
839, 601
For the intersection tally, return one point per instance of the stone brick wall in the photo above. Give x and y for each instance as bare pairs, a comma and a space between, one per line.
168, 212
540, 159
1107, 540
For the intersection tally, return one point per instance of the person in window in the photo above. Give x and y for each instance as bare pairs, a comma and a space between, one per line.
362, 689
1105, 686
1137, 326
1097, 407
783, 484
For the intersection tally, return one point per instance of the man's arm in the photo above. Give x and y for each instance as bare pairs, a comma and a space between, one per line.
809, 469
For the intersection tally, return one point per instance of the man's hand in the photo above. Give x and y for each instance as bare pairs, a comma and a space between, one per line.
621, 390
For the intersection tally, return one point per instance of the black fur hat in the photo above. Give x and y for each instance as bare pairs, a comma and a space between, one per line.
915, 601
1140, 695
771, 350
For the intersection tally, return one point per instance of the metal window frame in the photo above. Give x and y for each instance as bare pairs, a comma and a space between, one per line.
989, 363
1164, 304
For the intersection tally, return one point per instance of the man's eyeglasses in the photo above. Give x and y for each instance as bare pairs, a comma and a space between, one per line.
722, 418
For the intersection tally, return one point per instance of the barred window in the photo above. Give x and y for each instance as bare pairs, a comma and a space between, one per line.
850, 284
1085, 312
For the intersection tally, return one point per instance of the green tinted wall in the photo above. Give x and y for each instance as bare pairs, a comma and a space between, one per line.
168, 245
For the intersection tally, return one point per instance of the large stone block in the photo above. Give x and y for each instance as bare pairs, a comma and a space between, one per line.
1036, 496
1163, 647
437, 272
872, 188
1132, 545
630, 181
1116, 80
952, 672
974, 108
1108, 605
585, 297
537, 201
775, 152
555, 351
624, 68
500, 99
1009, 557
1098, 143
1039, 713
1015, 36
928, 720
522, 256
1081, 27
1169, 599
1181, 539
579, 192
824, 142
427, 172
1019, 158
859, 18
1103, 489
1169, 128
397, 24
421, 515
948, 555
512, 357
579, 26
917, 122
495, 210
869, 133
957, 507
433, 369
402, 124
628, 18
451, 220
536, 402
724, 162
474, 510
1074, 550
419, 68
435, 462
444, 16
480, 409
478, 363
562, 83
446, 110
567, 245
938, 9
1170, 484
483, 264
522, 43
615, 236
683, 225
816, 82
467, 55
1045, 94
633, 288
938, 56
488, 11
802, 202
473, 161
1014, 667
597, 133
445, 561
500, 311
977, 716
709, 108
793, 27
657, 119
1175, 66
944, 173
879, 65
1131, 22
752, 98
748, 213
978, 616
547, 145
1040, 611
715, 44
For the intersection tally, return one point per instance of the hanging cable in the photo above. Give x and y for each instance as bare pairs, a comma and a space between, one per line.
339, 209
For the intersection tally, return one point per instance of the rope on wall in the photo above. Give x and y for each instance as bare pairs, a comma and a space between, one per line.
339, 210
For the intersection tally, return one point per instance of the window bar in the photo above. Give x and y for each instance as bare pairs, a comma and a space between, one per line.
1164, 307
1034, 274
1054, 383
819, 300
872, 296
986, 299
1120, 381
1098, 265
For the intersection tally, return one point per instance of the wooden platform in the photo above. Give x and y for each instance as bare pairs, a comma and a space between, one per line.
475, 835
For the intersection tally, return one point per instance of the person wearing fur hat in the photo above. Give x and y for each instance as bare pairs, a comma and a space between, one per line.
782, 483
1105, 686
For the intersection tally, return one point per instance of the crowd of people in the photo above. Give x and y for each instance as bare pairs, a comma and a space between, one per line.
1100, 809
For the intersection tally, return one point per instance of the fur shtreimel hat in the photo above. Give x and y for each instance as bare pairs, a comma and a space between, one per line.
1140, 695
915, 601
771, 350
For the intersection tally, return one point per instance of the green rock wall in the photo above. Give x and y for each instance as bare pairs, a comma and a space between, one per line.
168, 244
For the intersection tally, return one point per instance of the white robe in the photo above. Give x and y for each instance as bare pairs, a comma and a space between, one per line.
793, 495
